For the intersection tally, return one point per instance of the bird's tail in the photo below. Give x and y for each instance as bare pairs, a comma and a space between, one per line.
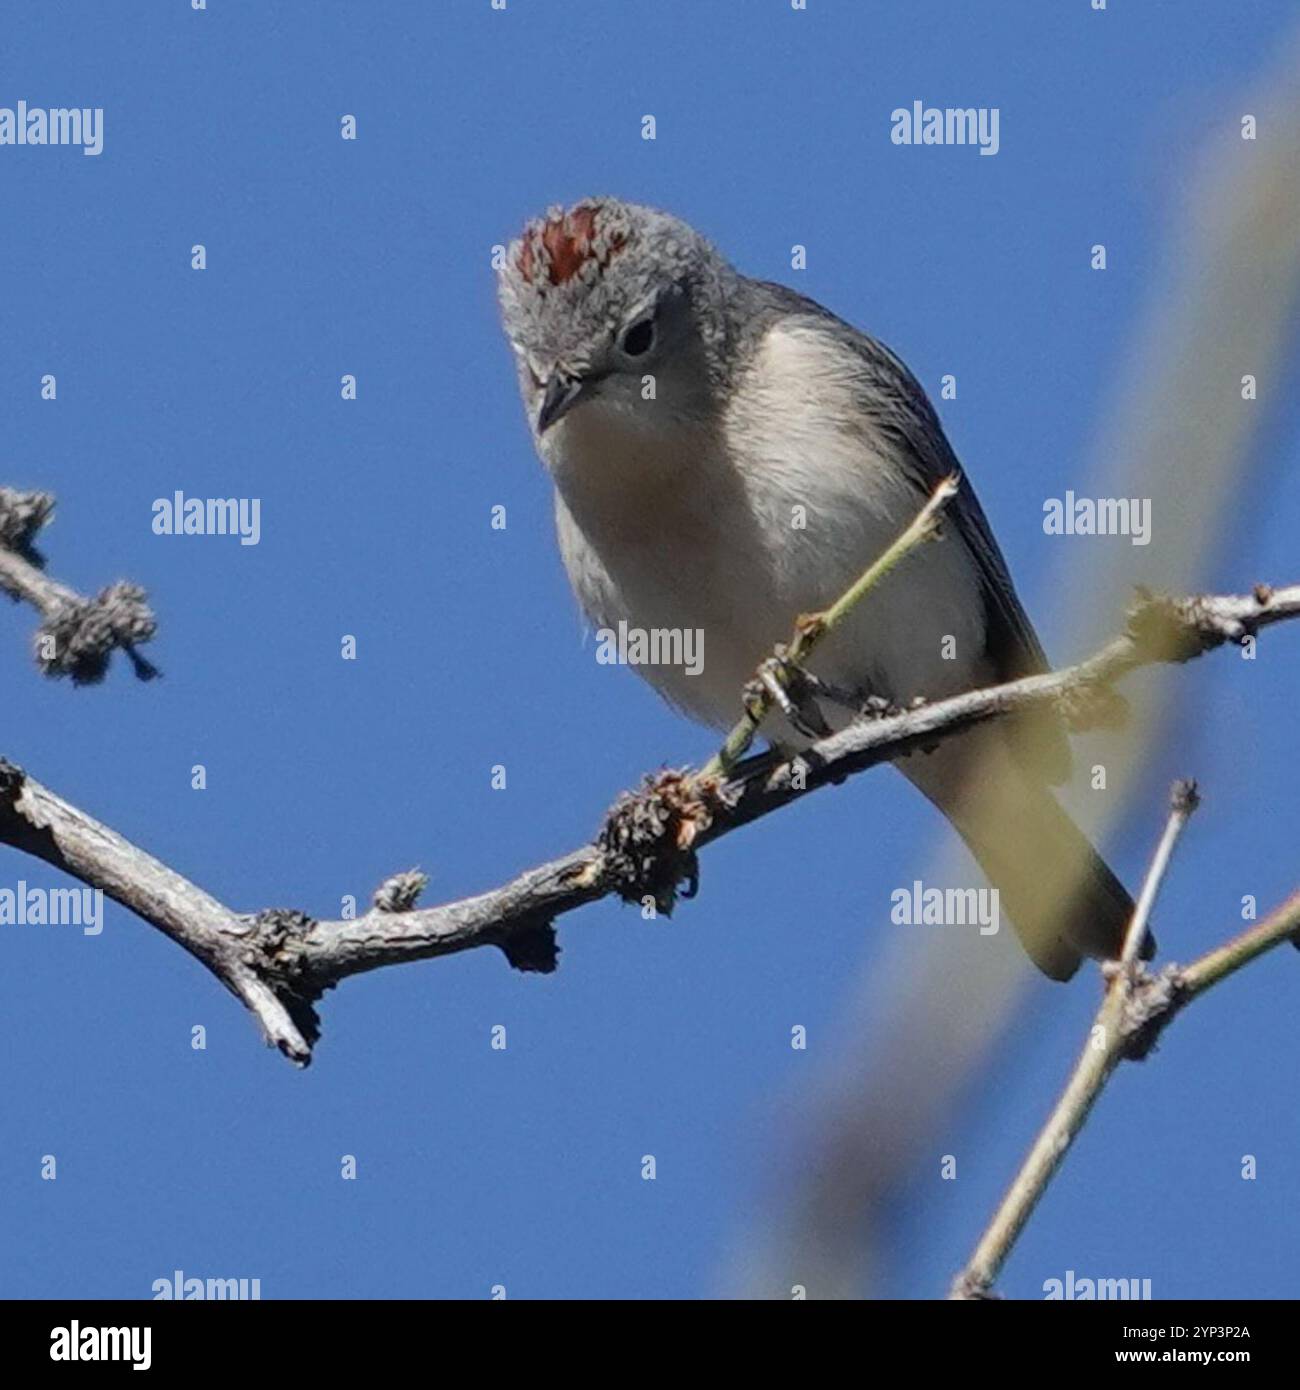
1058, 891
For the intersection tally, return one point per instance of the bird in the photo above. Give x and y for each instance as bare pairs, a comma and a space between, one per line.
727, 454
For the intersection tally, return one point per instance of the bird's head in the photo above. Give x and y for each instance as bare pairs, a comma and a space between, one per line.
615, 307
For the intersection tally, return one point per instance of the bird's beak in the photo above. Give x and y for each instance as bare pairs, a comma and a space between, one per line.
562, 394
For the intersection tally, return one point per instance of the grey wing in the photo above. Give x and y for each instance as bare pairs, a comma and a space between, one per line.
903, 413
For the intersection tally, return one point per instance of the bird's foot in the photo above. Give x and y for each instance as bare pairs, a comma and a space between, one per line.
797, 693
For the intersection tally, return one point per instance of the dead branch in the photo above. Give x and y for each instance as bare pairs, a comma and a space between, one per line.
77, 635
280, 961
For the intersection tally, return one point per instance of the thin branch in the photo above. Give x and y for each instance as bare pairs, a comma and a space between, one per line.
1103, 1052
1183, 802
78, 635
280, 961
1282, 924
811, 628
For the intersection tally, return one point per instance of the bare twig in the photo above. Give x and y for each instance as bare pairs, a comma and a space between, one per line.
1283, 924
1124, 1014
810, 628
280, 961
77, 635
1183, 802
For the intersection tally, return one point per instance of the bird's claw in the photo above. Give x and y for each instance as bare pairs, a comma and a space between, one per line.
794, 692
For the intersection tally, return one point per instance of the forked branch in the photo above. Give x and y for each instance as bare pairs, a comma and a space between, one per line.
280, 961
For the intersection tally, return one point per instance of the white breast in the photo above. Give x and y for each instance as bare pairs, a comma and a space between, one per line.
738, 530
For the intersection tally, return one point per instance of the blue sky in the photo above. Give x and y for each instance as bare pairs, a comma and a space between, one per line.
523, 1168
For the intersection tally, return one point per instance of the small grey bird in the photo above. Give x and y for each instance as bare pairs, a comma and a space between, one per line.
726, 455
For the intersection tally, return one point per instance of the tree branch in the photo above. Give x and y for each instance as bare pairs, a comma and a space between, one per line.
281, 961
1109, 1041
77, 635
811, 628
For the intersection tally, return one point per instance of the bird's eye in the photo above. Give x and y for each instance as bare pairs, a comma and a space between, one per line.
639, 338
